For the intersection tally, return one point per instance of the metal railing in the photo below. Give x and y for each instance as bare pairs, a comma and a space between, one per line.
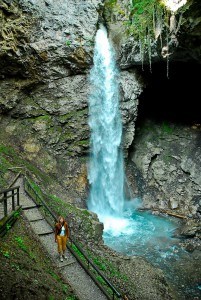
10, 193
11, 210
86, 266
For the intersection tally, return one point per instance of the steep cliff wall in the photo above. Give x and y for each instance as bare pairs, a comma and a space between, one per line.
46, 52
145, 33
166, 166
45, 57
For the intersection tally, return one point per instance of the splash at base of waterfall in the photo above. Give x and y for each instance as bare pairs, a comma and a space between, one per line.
152, 237
141, 233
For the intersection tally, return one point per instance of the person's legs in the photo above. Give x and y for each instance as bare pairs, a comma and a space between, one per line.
64, 241
59, 243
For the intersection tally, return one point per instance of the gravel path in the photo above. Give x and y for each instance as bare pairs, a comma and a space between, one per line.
82, 284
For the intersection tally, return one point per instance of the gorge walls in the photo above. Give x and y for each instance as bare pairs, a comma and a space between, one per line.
45, 57
46, 51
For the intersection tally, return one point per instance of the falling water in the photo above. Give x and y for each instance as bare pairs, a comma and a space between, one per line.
106, 174
125, 229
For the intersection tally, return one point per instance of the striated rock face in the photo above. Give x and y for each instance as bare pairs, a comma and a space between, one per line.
164, 171
46, 52
51, 39
130, 89
45, 57
168, 158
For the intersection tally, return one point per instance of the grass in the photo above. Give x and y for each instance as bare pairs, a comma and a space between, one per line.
21, 244
77, 251
26, 270
62, 208
9, 158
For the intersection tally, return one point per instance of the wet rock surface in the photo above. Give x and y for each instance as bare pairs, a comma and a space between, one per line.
44, 85
171, 174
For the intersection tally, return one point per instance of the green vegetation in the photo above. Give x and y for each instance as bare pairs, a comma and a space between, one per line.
20, 243
105, 265
144, 15
16, 214
77, 251
148, 21
35, 187
83, 143
62, 208
100, 279
4, 166
99, 264
6, 254
143, 19
54, 275
68, 43
9, 158
8, 226
26, 269
71, 298
167, 128
46, 118
102, 264
74, 115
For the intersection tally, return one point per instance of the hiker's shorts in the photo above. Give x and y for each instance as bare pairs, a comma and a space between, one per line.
61, 242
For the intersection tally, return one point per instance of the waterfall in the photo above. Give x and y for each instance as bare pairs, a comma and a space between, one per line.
126, 229
106, 173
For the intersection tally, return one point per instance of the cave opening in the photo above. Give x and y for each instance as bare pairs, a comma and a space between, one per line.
173, 98
167, 105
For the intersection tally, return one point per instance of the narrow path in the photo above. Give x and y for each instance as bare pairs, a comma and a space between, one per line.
80, 281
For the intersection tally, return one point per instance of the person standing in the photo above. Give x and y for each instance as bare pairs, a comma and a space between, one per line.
61, 236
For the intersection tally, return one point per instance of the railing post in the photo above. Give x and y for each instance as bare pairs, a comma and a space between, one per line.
18, 197
13, 200
5, 204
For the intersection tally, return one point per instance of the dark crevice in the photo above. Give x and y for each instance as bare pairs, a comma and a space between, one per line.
175, 99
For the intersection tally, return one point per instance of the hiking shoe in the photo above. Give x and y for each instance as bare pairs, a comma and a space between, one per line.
61, 259
64, 256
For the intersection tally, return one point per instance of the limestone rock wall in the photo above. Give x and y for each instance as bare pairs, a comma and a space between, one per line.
168, 158
164, 167
46, 52
46, 55
45, 58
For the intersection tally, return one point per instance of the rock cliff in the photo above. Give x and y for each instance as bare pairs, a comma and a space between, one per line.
46, 53
45, 57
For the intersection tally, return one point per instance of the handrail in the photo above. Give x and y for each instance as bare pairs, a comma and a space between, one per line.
115, 292
9, 189
97, 270
14, 191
